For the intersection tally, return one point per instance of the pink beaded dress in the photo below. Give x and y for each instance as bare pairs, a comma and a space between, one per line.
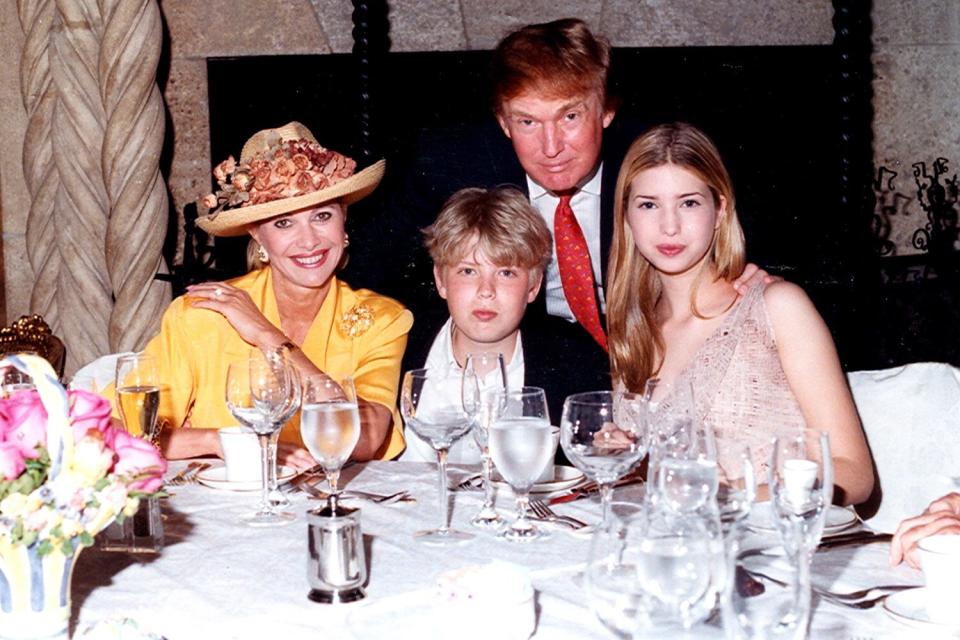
739, 386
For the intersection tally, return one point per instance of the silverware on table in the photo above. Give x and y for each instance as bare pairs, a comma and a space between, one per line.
399, 496
188, 475
543, 512
852, 599
853, 538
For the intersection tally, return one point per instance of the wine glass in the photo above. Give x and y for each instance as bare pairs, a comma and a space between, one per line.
612, 576
441, 419
138, 393
736, 475
521, 446
485, 380
330, 425
256, 394
801, 492
278, 357
604, 434
754, 610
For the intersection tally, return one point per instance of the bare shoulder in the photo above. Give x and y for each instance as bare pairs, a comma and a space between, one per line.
784, 300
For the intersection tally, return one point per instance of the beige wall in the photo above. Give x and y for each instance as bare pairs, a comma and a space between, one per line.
916, 98
917, 43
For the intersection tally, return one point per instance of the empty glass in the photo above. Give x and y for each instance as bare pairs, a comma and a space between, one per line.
521, 446
604, 434
440, 418
257, 393
485, 380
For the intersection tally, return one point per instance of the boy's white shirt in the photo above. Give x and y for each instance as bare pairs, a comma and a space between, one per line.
465, 450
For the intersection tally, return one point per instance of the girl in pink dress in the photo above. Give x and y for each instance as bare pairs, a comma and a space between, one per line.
757, 363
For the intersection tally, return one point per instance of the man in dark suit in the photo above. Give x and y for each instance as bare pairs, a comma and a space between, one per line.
551, 107
559, 142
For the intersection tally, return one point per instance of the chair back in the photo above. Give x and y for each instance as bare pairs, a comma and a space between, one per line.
911, 417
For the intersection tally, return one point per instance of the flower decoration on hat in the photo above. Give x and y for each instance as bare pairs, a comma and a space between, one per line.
287, 168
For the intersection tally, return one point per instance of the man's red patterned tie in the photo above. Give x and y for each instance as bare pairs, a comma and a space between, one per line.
576, 271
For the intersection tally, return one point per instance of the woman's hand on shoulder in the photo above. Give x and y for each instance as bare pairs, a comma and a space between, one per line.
238, 308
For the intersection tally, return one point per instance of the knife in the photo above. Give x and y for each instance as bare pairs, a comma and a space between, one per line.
590, 488
857, 537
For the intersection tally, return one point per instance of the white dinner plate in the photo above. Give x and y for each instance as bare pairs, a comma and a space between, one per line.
838, 518
909, 607
563, 478
216, 478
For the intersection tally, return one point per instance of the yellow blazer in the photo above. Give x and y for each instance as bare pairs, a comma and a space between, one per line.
195, 346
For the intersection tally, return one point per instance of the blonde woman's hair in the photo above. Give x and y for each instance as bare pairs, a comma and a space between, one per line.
635, 340
500, 222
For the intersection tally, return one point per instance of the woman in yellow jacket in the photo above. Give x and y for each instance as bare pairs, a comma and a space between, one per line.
290, 195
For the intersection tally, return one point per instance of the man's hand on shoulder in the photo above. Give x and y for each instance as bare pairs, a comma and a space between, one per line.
752, 274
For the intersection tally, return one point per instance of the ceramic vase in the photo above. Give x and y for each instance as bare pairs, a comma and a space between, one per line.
35, 592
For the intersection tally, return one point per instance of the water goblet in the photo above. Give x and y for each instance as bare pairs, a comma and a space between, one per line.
485, 380
603, 433
138, 393
330, 426
256, 394
521, 446
427, 409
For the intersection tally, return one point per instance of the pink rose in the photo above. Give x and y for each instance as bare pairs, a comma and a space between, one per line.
139, 459
11, 461
24, 422
90, 412
224, 169
209, 201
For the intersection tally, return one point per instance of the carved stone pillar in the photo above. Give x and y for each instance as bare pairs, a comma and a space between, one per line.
99, 206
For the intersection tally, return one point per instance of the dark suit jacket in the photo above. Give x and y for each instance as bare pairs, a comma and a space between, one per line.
559, 355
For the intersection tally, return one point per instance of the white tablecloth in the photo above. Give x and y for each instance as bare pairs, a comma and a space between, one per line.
217, 578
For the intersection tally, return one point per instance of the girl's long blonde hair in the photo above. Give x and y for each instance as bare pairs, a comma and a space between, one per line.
635, 340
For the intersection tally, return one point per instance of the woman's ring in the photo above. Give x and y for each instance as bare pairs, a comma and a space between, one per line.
217, 292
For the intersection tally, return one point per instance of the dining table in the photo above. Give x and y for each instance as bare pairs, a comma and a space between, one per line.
216, 577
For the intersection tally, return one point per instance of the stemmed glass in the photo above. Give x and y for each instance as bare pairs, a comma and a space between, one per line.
430, 410
801, 492
278, 357
737, 489
604, 434
521, 447
138, 398
612, 576
257, 393
330, 425
138, 393
485, 380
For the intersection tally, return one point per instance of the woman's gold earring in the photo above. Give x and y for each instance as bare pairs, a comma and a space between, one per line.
346, 240
262, 255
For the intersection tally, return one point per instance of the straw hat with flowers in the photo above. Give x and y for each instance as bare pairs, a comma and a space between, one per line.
281, 170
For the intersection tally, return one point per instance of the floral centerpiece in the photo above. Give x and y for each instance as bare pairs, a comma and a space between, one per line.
65, 474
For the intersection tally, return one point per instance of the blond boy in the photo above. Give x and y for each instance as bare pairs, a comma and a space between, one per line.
489, 249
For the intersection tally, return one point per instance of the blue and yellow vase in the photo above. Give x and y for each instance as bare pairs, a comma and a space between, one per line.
35, 592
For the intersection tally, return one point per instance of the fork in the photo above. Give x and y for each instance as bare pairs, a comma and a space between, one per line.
544, 512
188, 475
849, 599
400, 496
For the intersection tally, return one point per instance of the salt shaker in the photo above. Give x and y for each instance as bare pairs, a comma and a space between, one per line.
336, 566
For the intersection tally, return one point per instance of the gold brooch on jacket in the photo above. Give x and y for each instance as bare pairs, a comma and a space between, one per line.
357, 321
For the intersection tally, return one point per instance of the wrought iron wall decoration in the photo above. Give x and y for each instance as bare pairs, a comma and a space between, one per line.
937, 192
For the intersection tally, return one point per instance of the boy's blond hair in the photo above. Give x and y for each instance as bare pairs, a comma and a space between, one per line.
499, 222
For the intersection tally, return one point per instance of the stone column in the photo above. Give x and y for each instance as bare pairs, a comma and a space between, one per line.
99, 206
